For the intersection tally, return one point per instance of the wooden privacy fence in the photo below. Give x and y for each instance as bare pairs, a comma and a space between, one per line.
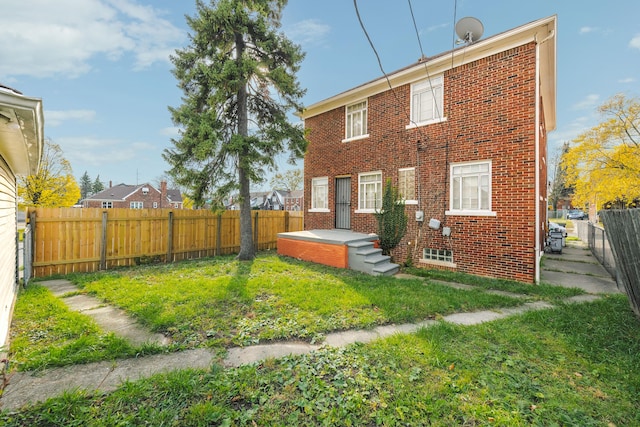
67, 240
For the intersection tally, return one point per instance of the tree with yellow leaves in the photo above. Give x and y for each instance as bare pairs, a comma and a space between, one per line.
603, 163
53, 185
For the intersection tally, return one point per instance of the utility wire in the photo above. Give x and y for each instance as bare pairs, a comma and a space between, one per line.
423, 57
375, 51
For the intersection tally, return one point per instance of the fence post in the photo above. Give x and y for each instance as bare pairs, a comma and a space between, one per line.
286, 221
103, 242
218, 232
255, 231
170, 238
32, 248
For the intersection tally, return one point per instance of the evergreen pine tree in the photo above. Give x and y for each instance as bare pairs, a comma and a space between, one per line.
86, 188
98, 186
238, 69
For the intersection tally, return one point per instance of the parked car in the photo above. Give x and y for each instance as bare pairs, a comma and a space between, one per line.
576, 214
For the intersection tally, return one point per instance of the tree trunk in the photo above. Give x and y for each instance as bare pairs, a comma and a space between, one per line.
247, 251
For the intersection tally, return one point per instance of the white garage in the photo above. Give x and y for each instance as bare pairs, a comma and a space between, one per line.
21, 144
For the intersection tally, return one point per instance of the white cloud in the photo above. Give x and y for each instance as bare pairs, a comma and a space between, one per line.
171, 131
587, 30
55, 118
309, 31
437, 27
627, 80
92, 152
589, 102
43, 38
635, 42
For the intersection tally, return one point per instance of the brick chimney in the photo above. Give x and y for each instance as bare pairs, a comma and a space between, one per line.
163, 194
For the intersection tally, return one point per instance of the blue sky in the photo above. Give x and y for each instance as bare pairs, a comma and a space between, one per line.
102, 70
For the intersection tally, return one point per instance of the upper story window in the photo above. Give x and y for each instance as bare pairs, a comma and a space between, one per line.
319, 191
356, 121
471, 189
427, 101
407, 185
135, 205
369, 191
107, 205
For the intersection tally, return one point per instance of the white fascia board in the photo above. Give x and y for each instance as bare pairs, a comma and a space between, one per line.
22, 139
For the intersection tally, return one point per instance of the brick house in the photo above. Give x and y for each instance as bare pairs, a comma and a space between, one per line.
463, 136
143, 196
284, 200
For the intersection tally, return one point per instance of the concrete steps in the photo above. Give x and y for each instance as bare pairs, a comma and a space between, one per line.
364, 257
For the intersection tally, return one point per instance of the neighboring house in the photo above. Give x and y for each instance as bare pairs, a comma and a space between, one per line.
21, 145
294, 201
259, 200
284, 200
463, 137
143, 196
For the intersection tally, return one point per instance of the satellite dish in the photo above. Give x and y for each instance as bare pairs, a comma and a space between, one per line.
469, 29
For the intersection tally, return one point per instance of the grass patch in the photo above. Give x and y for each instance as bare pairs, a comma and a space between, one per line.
224, 302
574, 365
542, 291
45, 333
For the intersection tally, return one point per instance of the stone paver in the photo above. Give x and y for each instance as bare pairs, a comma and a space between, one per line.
107, 317
30, 387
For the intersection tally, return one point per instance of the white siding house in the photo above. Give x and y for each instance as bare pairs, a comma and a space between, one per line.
21, 144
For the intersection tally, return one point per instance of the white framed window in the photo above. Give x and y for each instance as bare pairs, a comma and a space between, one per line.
407, 185
319, 194
369, 191
470, 192
107, 205
427, 102
135, 205
356, 121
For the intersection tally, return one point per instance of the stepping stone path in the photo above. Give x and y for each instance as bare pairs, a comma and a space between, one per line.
109, 318
573, 270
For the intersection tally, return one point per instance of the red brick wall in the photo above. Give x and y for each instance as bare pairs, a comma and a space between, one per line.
490, 110
321, 253
147, 199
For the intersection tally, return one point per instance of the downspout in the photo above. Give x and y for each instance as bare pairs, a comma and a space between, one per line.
538, 195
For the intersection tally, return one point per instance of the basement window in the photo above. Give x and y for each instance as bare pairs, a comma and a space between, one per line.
443, 255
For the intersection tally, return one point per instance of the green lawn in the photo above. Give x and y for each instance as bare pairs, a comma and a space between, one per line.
222, 302
44, 333
577, 365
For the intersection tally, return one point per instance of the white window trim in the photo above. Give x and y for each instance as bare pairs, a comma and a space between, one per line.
355, 138
367, 210
410, 201
471, 212
312, 209
433, 82
346, 109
